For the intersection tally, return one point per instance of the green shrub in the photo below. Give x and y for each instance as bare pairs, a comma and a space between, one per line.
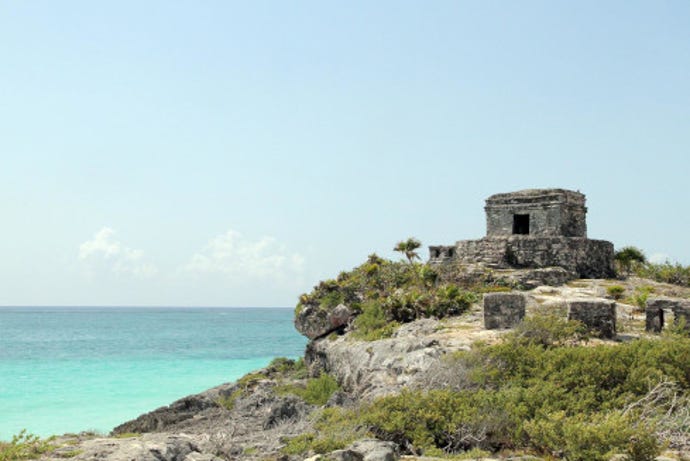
404, 291
288, 368
615, 291
676, 274
24, 446
546, 330
372, 324
334, 428
320, 389
317, 391
591, 438
629, 258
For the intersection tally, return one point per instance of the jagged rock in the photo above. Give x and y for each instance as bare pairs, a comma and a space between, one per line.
159, 419
287, 408
315, 322
372, 369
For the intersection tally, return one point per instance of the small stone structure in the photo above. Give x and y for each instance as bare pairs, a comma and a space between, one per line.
534, 228
503, 310
598, 315
658, 309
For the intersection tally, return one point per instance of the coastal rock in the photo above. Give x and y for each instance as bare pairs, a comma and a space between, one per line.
149, 447
159, 419
372, 369
315, 322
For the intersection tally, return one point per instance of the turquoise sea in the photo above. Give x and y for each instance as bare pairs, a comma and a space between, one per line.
75, 369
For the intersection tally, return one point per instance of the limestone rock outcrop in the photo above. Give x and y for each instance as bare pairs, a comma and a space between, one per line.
314, 321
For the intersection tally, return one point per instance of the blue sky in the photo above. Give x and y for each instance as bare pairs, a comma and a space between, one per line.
234, 153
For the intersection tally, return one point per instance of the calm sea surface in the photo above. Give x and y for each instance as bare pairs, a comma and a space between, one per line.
75, 369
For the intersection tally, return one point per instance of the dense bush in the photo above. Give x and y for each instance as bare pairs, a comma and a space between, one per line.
386, 293
628, 258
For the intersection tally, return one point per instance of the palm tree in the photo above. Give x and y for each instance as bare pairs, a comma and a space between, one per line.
408, 247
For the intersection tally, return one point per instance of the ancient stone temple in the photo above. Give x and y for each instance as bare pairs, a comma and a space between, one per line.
534, 228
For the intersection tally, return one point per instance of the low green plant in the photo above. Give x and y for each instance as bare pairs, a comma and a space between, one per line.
639, 297
24, 446
333, 428
316, 391
667, 272
629, 258
615, 291
372, 324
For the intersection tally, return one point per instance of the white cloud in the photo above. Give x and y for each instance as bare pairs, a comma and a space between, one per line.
235, 256
104, 251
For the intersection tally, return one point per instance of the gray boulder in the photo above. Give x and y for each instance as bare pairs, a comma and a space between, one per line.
314, 322
375, 450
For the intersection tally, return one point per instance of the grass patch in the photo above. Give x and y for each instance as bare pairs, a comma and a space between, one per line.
127, 435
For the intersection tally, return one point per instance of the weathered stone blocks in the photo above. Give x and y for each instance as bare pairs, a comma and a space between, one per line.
658, 309
503, 310
534, 228
598, 315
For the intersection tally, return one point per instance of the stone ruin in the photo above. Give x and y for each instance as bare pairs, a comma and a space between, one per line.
597, 315
659, 309
503, 310
534, 228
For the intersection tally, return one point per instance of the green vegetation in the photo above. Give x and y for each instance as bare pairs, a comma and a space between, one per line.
536, 391
316, 391
409, 248
628, 258
676, 274
615, 291
24, 446
385, 293
334, 429
631, 260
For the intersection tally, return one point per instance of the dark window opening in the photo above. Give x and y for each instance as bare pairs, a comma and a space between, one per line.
437, 252
661, 319
521, 224
450, 252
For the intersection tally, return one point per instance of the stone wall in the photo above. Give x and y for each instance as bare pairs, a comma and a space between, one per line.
552, 212
658, 310
503, 310
584, 257
598, 315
